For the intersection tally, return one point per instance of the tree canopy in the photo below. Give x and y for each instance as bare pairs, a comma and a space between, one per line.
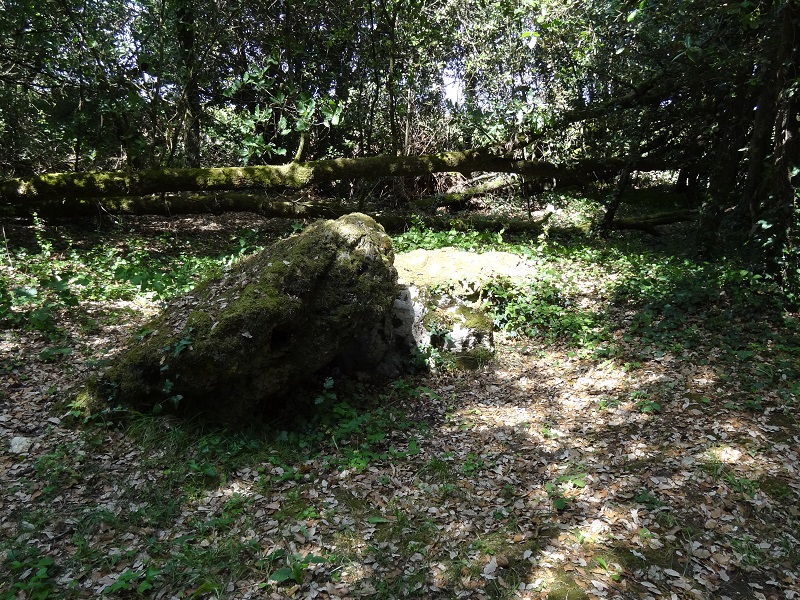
630, 427
704, 88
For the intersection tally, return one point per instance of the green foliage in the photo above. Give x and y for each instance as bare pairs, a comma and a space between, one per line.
647, 498
556, 496
229, 84
419, 236
51, 354
296, 564
672, 291
42, 284
352, 433
141, 581
327, 394
718, 469
472, 464
541, 309
748, 550
556, 489
32, 575
778, 250
607, 403
644, 403
360, 436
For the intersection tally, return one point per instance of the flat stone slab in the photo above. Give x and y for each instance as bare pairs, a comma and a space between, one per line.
430, 268
440, 288
20, 445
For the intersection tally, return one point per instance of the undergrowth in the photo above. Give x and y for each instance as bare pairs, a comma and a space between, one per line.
38, 285
615, 301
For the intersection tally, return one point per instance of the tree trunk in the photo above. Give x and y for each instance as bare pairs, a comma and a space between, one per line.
391, 77
759, 145
460, 199
777, 211
774, 208
35, 193
727, 158
50, 191
169, 205
607, 223
186, 26
182, 203
772, 82
649, 223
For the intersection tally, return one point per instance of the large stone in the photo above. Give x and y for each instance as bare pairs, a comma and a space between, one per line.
460, 331
237, 345
20, 445
440, 307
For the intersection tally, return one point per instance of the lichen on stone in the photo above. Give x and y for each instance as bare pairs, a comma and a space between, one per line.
237, 345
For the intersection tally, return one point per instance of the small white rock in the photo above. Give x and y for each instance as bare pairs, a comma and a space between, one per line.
20, 445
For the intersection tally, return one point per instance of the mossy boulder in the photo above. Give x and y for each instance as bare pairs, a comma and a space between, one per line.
444, 289
238, 345
461, 331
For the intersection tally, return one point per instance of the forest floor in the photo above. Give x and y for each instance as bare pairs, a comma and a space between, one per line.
636, 435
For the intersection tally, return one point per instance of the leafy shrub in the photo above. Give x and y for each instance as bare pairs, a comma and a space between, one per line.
540, 309
422, 237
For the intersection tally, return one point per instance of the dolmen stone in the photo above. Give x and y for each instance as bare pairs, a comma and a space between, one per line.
236, 346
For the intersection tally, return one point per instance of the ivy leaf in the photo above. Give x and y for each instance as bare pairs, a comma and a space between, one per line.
378, 520
282, 575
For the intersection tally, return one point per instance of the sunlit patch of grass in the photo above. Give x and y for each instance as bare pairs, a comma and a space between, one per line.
494, 562
56, 276
564, 585
716, 462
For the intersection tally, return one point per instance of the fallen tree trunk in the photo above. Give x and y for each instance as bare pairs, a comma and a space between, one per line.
36, 193
395, 223
461, 199
180, 204
648, 224
187, 204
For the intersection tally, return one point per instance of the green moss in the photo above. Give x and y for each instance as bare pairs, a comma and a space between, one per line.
666, 557
475, 319
775, 487
85, 401
564, 587
441, 322
237, 344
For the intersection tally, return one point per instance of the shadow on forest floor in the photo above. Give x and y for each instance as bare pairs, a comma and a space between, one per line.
644, 443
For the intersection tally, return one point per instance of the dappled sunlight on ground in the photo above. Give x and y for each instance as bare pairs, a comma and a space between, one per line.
544, 472
552, 472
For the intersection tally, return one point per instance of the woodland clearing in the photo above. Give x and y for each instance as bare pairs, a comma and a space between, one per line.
635, 436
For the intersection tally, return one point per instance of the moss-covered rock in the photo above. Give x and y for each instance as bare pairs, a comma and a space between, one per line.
460, 331
237, 345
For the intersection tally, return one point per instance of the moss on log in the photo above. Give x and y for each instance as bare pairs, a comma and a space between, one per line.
462, 198
73, 190
180, 204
